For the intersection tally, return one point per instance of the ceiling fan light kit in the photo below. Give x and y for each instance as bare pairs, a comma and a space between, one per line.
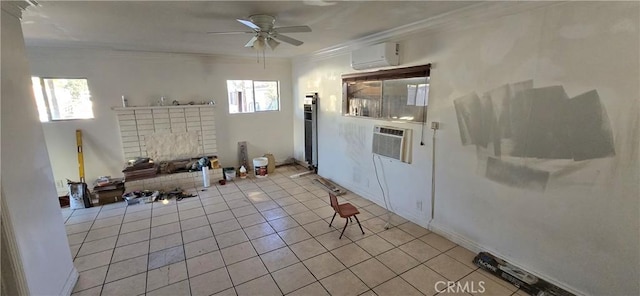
265, 34
272, 43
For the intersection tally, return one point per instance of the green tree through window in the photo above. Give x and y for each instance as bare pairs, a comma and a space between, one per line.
62, 99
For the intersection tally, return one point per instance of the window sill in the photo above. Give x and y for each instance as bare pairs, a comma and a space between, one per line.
162, 107
383, 119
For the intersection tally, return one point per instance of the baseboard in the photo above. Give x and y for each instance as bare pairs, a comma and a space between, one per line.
380, 202
476, 248
70, 283
301, 163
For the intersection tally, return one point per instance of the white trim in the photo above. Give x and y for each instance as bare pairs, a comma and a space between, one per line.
110, 51
476, 248
467, 15
70, 283
9, 243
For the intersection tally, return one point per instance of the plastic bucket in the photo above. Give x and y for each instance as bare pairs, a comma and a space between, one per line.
260, 167
229, 173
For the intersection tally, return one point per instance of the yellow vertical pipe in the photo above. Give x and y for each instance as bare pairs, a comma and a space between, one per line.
80, 155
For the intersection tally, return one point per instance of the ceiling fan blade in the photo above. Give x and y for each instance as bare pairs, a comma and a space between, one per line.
293, 29
249, 24
232, 32
288, 39
251, 42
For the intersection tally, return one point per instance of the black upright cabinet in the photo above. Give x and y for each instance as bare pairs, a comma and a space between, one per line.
311, 130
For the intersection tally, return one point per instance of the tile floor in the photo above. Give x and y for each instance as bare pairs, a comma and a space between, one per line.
266, 236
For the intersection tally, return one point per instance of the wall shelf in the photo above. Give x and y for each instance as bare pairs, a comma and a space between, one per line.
161, 107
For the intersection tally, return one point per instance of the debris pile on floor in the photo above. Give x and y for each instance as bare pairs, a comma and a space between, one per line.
188, 165
517, 276
108, 190
79, 195
148, 196
329, 186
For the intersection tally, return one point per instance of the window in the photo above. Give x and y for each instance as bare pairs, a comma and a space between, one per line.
62, 98
397, 94
247, 96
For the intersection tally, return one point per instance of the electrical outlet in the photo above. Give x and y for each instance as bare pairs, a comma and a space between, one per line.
419, 205
60, 183
435, 125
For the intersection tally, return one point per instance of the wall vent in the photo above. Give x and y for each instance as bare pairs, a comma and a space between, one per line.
392, 142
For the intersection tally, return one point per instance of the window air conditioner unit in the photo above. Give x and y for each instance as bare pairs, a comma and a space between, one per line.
379, 55
392, 142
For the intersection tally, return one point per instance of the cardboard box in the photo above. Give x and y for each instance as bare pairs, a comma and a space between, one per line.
109, 196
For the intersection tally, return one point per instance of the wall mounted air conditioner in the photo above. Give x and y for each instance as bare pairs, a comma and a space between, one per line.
392, 142
379, 55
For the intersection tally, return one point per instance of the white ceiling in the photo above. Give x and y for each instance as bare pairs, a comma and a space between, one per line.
181, 26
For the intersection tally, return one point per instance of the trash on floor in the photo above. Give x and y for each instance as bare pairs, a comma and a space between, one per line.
79, 195
148, 196
139, 197
177, 193
108, 190
329, 186
516, 276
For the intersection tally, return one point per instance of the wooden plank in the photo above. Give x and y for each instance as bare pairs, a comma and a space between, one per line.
243, 158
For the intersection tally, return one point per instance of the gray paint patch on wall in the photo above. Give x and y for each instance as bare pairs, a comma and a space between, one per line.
468, 111
520, 121
496, 115
590, 133
539, 121
487, 123
516, 175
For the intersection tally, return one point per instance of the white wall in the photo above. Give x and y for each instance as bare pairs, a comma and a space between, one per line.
28, 191
583, 230
344, 144
143, 78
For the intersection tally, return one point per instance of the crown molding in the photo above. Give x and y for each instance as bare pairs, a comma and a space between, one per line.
457, 18
15, 8
100, 52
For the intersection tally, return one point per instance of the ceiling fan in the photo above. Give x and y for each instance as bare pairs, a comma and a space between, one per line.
265, 33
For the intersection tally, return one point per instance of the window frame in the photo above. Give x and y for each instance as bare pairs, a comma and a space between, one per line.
46, 98
253, 93
421, 71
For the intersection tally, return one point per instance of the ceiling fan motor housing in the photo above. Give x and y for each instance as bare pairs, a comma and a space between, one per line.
265, 22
